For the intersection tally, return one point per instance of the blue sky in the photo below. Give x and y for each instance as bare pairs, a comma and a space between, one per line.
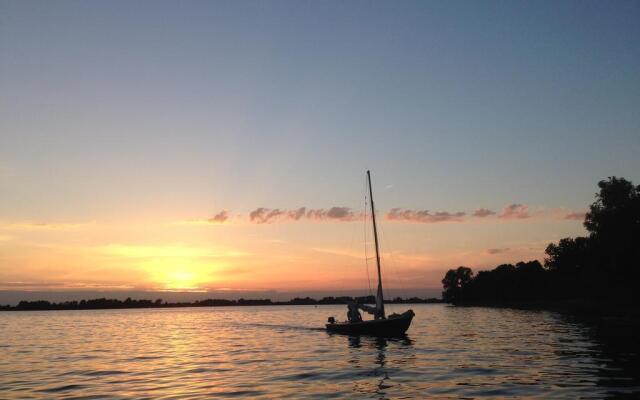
115, 111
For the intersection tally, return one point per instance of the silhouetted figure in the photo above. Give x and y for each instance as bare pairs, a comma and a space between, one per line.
353, 314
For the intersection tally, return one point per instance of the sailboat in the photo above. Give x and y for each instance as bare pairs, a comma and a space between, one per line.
393, 325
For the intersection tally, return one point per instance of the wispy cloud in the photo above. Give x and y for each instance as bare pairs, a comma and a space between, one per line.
263, 215
64, 286
483, 212
23, 284
267, 215
423, 216
333, 213
219, 218
46, 226
515, 211
497, 250
339, 252
163, 251
576, 216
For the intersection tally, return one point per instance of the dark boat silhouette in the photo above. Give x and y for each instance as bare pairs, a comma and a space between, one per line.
395, 325
392, 326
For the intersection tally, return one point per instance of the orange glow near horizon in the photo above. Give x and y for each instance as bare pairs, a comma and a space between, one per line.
174, 267
297, 256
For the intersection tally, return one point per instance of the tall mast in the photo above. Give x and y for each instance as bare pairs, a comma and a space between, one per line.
379, 297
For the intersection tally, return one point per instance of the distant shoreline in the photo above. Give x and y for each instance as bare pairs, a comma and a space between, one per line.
111, 304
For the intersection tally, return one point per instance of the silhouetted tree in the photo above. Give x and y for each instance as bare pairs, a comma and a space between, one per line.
454, 282
603, 264
365, 299
616, 212
568, 256
613, 222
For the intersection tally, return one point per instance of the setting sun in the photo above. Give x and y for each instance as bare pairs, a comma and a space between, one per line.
173, 267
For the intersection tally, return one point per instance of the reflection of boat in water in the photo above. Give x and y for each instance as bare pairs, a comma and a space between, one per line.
381, 325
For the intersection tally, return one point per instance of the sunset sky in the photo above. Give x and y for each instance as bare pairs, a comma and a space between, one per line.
205, 145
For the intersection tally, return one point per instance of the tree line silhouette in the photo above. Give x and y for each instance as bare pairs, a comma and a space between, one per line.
600, 266
104, 303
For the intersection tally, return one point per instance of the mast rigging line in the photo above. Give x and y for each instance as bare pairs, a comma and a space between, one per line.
366, 258
392, 263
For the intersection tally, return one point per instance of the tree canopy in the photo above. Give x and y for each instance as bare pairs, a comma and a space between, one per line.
602, 264
454, 281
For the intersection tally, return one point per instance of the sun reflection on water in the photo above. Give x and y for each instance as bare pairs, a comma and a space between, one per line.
284, 352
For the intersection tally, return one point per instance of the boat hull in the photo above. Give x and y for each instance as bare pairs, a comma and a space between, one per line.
394, 326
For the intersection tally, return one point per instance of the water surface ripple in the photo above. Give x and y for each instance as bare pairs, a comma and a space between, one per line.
197, 353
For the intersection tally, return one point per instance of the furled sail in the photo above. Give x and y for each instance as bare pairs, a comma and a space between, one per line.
379, 296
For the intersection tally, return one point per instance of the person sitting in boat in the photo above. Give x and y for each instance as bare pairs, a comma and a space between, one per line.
353, 315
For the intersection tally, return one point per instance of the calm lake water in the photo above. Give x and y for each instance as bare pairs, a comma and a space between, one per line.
279, 351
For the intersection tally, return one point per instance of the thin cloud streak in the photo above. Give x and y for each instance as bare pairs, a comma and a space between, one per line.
423, 216
267, 215
219, 218
575, 216
515, 211
66, 285
263, 215
44, 226
483, 213
338, 252
164, 251
497, 250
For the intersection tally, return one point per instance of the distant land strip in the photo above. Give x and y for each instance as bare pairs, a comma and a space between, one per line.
103, 303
